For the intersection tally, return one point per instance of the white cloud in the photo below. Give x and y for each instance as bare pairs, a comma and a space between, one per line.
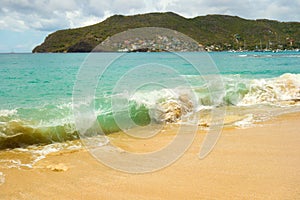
50, 15
27, 22
252, 9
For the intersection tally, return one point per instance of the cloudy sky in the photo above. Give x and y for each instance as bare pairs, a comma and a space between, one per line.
25, 23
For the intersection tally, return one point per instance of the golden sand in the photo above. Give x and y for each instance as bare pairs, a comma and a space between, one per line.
261, 162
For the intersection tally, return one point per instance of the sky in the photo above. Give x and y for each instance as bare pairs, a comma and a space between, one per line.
25, 23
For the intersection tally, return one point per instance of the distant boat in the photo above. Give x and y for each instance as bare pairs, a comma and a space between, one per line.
267, 50
231, 51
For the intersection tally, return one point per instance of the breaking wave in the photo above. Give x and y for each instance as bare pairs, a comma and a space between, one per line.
55, 123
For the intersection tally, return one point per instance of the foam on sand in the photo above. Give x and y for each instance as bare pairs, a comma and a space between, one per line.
2, 178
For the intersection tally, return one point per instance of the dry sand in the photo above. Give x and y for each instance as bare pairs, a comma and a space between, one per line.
261, 162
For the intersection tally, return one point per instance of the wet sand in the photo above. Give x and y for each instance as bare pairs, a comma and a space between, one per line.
261, 162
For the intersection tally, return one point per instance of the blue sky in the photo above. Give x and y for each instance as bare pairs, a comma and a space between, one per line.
25, 23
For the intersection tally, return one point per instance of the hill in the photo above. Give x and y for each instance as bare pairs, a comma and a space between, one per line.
214, 32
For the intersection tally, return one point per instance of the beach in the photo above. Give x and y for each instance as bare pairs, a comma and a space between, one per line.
158, 100
259, 162
52, 105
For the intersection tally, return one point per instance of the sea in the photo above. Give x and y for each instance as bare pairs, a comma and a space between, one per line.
46, 99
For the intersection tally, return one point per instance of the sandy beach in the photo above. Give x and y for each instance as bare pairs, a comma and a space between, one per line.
260, 162
150, 100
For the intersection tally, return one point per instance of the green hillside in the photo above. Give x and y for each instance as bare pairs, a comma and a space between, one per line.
215, 32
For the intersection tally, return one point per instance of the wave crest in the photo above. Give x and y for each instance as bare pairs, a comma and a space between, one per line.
55, 123
278, 91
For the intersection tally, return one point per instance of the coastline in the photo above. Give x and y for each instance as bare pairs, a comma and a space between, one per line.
260, 162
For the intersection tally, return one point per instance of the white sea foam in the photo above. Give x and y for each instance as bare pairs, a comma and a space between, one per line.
273, 91
33, 154
7, 113
167, 105
246, 122
2, 178
40, 153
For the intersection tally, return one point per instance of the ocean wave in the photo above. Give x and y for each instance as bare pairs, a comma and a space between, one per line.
50, 124
17, 133
166, 105
55, 123
273, 55
282, 91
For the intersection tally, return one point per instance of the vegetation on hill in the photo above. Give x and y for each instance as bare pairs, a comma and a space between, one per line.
214, 32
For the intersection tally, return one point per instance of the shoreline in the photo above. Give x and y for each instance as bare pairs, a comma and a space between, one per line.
260, 162
211, 51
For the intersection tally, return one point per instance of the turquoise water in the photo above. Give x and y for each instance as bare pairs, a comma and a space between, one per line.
37, 89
